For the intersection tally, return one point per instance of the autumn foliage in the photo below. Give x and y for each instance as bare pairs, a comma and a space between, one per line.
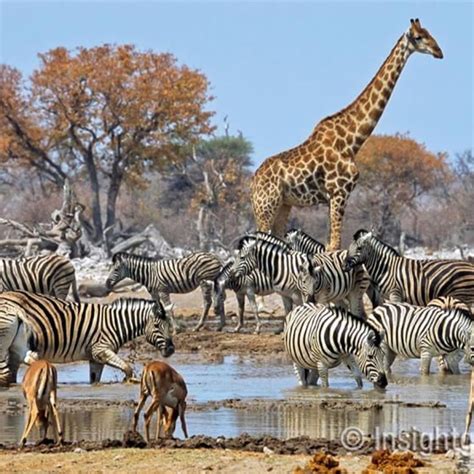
107, 115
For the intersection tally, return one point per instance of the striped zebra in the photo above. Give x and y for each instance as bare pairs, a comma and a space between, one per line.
442, 328
302, 242
173, 275
36, 326
256, 283
319, 337
280, 266
52, 275
417, 282
325, 281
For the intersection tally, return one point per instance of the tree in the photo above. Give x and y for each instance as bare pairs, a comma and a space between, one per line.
107, 114
395, 171
214, 182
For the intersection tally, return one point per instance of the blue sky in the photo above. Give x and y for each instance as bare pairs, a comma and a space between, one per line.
277, 68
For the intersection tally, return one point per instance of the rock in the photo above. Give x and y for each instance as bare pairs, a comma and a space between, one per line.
451, 454
79, 450
268, 451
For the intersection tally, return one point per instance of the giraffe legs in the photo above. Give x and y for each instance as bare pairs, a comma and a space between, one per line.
337, 206
281, 220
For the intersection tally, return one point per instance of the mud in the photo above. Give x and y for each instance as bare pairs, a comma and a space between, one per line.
393, 463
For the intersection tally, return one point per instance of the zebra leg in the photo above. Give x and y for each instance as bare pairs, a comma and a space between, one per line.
253, 303
449, 363
101, 355
241, 303
288, 305
8, 334
425, 362
352, 366
323, 371
306, 376
95, 371
206, 290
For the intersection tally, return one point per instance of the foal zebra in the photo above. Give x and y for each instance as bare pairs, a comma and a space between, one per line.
321, 337
256, 283
302, 242
50, 275
442, 328
35, 326
173, 275
407, 280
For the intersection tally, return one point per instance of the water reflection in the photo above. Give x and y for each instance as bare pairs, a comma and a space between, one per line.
232, 379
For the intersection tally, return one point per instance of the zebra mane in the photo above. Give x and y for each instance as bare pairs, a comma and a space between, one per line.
363, 232
225, 269
263, 237
124, 256
126, 303
378, 338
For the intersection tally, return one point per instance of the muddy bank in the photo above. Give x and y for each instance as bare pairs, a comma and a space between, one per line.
268, 405
300, 445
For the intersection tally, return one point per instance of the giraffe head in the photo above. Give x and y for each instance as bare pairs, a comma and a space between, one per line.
422, 41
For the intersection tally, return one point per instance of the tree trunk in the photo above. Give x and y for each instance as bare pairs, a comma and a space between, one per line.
112, 195
95, 198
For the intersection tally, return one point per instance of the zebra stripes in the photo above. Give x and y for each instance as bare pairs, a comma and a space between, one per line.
280, 266
417, 282
50, 275
321, 337
166, 276
256, 283
441, 328
326, 281
61, 331
302, 242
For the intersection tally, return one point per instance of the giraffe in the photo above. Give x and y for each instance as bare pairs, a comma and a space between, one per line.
322, 169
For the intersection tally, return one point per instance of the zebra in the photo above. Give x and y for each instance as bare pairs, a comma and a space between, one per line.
325, 281
401, 279
279, 265
52, 275
256, 283
320, 337
442, 328
36, 326
302, 242
165, 276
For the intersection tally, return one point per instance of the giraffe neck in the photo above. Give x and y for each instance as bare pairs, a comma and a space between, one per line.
362, 115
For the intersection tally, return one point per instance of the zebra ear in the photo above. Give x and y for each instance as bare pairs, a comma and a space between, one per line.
375, 337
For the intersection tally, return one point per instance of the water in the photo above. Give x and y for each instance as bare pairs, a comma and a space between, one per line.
265, 381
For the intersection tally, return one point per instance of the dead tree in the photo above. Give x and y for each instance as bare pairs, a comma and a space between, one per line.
61, 235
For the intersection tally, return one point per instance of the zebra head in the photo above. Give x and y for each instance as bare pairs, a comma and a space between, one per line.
370, 359
292, 237
358, 250
158, 328
118, 271
309, 281
246, 257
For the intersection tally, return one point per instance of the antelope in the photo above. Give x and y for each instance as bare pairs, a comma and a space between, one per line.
168, 391
39, 389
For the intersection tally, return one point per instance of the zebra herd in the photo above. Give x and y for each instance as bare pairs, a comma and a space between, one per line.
421, 308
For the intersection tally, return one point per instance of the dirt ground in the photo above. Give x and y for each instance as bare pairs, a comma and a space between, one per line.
184, 461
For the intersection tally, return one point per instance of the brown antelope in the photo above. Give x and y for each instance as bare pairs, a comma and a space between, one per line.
168, 391
39, 389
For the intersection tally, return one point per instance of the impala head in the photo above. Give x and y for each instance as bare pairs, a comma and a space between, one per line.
370, 359
158, 328
309, 281
422, 41
358, 249
118, 271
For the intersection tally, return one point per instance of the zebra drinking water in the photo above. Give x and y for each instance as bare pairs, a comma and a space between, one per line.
321, 337
443, 328
401, 279
165, 276
35, 326
52, 275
